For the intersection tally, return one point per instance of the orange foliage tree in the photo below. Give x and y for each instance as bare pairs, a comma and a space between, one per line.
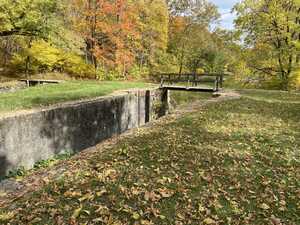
109, 28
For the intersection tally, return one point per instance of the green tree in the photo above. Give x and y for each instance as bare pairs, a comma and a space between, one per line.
272, 25
189, 21
26, 17
153, 27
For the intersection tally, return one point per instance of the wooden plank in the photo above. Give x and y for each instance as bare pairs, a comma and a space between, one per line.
193, 74
42, 81
182, 88
197, 81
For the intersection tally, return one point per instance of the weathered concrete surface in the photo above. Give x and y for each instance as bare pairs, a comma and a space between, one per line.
29, 138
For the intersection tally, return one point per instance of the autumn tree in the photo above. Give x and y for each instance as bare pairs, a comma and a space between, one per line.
109, 31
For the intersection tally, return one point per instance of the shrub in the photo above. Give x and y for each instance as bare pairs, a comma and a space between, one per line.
137, 72
105, 74
273, 83
76, 66
295, 80
46, 58
166, 63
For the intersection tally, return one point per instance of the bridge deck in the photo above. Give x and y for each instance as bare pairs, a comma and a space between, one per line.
187, 88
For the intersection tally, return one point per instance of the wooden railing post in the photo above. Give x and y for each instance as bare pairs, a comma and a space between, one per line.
221, 81
194, 80
161, 82
217, 83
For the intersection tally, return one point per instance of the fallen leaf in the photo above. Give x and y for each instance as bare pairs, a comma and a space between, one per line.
146, 222
87, 196
77, 212
264, 206
100, 193
135, 216
209, 221
275, 221
165, 193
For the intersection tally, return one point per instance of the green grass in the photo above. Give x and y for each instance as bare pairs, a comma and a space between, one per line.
20, 173
271, 96
45, 95
233, 162
184, 97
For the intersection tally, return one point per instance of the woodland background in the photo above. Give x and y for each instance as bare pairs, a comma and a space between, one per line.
138, 39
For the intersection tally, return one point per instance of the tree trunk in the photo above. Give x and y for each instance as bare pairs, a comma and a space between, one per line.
283, 74
90, 41
27, 62
124, 70
6, 52
181, 58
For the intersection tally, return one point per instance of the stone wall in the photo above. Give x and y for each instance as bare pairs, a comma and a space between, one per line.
29, 138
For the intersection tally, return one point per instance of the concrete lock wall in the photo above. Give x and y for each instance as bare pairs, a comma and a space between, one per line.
29, 138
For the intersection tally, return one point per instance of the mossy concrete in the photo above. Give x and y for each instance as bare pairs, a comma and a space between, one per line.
28, 138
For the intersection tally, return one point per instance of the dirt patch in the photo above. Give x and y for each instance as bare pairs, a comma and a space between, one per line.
11, 86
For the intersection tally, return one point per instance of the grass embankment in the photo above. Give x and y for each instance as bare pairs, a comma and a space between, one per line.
272, 96
183, 97
233, 162
45, 95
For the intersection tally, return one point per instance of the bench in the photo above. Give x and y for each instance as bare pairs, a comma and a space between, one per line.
34, 82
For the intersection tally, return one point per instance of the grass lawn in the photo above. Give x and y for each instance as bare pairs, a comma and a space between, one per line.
71, 90
183, 98
272, 96
233, 162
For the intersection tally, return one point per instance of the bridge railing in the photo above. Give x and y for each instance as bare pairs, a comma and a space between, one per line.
193, 79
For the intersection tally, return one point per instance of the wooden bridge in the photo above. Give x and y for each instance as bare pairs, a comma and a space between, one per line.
213, 82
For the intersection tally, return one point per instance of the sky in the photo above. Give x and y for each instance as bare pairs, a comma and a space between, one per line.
225, 7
